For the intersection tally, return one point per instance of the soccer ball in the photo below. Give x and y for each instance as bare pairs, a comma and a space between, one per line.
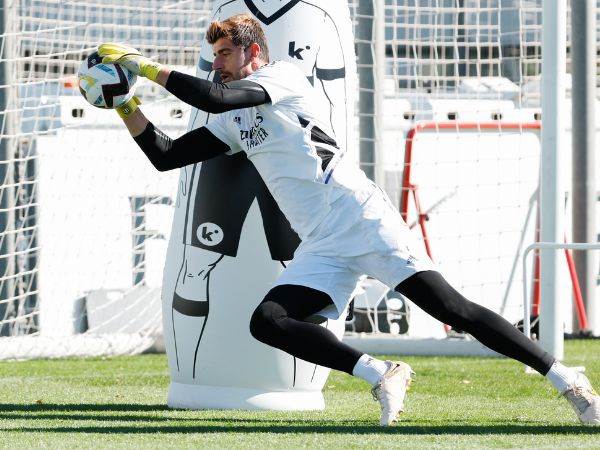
105, 85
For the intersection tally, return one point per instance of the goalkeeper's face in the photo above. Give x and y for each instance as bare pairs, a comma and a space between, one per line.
234, 62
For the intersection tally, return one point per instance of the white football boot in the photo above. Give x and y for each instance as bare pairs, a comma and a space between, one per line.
391, 391
584, 400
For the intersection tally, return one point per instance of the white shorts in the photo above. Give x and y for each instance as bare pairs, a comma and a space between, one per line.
394, 255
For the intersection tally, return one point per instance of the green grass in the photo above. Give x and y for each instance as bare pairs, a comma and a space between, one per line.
455, 403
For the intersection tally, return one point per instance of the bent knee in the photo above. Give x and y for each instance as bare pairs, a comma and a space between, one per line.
264, 320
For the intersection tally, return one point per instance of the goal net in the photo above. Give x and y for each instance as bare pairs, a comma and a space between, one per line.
455, 141
448, 125
84, 219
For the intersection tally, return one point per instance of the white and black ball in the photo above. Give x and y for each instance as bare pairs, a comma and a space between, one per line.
105, 85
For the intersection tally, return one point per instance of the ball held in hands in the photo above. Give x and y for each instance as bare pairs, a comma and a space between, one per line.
105, 85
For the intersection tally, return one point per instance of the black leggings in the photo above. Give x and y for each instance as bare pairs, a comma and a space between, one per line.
285, 320
281, 321
430, 292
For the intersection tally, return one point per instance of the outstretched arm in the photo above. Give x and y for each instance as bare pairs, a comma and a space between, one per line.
202, 94
163, 152
215, 97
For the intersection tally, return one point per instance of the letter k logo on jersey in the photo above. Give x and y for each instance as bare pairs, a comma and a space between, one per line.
296, 52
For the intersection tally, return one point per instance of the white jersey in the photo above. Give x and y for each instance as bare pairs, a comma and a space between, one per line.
324, 53
293, 149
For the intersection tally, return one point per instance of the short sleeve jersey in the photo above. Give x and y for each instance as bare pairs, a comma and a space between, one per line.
294, 150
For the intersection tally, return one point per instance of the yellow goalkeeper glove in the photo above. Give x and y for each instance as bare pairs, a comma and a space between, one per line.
130, 58
127, 108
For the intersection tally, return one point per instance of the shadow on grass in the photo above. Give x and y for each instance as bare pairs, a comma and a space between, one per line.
334, 428
15, 407
182, 425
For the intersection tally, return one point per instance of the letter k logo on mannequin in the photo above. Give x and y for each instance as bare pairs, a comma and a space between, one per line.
210, 234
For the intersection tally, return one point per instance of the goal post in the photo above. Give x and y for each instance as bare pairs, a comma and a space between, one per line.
7, 210
554, 43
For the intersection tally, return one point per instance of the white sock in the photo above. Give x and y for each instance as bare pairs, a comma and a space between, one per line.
370, 369
561, 377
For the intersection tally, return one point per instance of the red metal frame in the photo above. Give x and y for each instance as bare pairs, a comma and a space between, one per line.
409, 187
410, 136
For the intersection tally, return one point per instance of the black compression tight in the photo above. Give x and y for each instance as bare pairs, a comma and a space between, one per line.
281, 321
435, 296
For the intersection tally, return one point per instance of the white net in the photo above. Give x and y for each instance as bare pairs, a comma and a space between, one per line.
449, 89
84, 218
456, 146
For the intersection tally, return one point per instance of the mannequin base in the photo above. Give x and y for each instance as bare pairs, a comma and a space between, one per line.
190, 396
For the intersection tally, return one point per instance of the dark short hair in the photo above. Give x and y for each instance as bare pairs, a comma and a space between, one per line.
242, 29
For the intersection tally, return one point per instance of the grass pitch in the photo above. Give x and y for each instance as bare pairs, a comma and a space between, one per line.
455, 403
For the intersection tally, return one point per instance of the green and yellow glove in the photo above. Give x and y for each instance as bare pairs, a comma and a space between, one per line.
130, 58
127, 108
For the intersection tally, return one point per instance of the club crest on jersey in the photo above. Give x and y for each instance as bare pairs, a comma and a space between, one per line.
255, 135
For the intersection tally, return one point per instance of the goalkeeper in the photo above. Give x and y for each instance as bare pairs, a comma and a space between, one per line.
347, 225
